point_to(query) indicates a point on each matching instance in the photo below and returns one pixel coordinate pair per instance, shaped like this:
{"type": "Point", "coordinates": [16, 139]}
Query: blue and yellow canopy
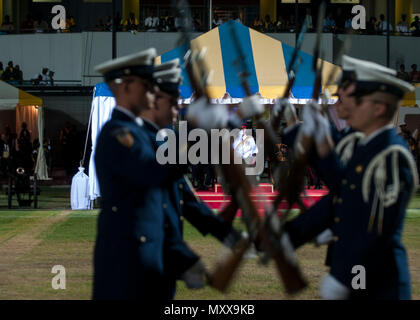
{"type": "Point", "coordinates": [266, 59]}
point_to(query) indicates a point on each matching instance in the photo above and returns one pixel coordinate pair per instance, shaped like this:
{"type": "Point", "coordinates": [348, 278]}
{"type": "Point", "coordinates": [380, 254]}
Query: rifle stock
{"type": "Point", "coordinates": [288, 272]}
{"type": "Point", "coordinates": [229, 212]}
{"type": "Point", "coordinates": [224, 272]}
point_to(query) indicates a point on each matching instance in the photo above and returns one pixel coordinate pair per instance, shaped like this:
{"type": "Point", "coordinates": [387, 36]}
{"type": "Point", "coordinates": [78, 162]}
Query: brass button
{"type": "Point", "coordinates": [181, 186]}
{"type": "Point", "coordinates": [143, 239]}
{"type": "Point", "coordinates": [181, 202]}
{"type": "Point", "coordinates": [359, 169]}
{"type": "Point", "coordinates": [336, 219]}
{"type": "Point", "coordinates": [335, 238]}
{"type": "Point", "coordinates": [339, 201]}
{"type": "Point", "coordinates": [344, 181]}
{"type": "Point", "coordinates": [164, 206]}
{"type": "Point", "coordinates": [114, 209]}
{"type": "Point", "coordinates": [181, 218]}
{"type": "Point", "coordinates": [335, 200]}
{"type": "Point", "coordinates": [352, 187]}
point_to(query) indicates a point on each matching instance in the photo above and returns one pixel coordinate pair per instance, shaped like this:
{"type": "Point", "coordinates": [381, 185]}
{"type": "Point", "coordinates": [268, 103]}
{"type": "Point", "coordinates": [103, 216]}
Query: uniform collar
{"type": "Point", "coordinates": [150, 125]}
{"type": "Point", "coordinates": [374, 134]}
{"type": "Point", "coordinates": [126, 112]}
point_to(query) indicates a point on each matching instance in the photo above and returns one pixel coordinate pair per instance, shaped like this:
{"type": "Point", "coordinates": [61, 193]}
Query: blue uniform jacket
{"type": "Point", "coordinates": [128, 256]}
{"type": "Point", "coordinates": [379, 248]}
{"type": "Point", "coordinates": [183, 203]}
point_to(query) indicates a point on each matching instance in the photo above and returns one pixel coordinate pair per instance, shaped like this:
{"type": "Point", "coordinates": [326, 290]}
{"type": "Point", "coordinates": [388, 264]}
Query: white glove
{"type": "Point", "coordinates": [332, 289]}
{"type": "Point", "coordinates": [232, 239]}
{"type": "Point", "coordinates": [289, 110]}
{"type": "Point", "coordinates": [195, 277]}
{"type": "Point", "coordinates": [324, 237]}
{"type": "Point", "coordinates": [323, 128]}
{"type": "Point", "coordinates": [274, 226]}
{"type": "Point", "coordinates": [207, 116]}
{"type": "Point", "coordinates": [251, 106]}
{"type": "Point", "coordinates": [288, 248]}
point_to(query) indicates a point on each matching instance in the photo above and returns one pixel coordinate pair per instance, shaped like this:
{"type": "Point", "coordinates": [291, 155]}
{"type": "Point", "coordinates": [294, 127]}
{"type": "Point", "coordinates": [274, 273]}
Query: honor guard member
{"type": "Point", "coordinates": [372, 191]}
{"type": "Point", "coordinates": [128, 256]}
{"type": "Point", "coordinates": [180, 262]}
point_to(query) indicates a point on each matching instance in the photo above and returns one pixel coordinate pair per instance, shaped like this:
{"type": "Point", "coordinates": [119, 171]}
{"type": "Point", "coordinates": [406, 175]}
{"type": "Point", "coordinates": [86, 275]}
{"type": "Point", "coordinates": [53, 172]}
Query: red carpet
{"type": "Point", "coordinates": [263, 196]}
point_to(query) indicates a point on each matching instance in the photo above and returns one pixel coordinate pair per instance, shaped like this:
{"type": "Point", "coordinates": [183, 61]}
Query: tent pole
{"type": "Point", "coordinates": [210, 14]}
{"type": "Point", "coordinates": [114, 29]}
{"type": "Point", "coordinates": [296, 21]}
{"type": "Point", "coordinates": [388, 16]}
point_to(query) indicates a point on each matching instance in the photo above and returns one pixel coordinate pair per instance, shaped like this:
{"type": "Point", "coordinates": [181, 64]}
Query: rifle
{"type": "Point", "coordinates": [291, 189]}
{"type": "Point", "coordinates": [291, 72]}
{"type": "Point", "coordinates": [288, 270]}
{"type": "Point", "coordinates": [234, 179]}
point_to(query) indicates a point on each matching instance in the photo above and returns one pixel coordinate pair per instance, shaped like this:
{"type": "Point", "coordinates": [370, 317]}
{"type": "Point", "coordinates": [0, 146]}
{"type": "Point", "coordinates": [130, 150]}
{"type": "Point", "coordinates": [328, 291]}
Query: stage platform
{"type": "Point", "coordinates": [263, 195]}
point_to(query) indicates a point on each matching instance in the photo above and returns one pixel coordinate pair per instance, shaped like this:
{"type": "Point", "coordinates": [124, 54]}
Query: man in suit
{"type": "Point", "coordinates": [128, 255]}
{"type": "Point", "coordinates": [371, 192]}
{"type": "Point", "coordinates": [180, 262]}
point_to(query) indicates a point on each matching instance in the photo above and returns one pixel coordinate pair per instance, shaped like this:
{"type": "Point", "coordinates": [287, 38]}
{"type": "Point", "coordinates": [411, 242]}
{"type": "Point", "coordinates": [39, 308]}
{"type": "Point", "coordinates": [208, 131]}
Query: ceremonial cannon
{"type": "Point", "coordinates": [23, 184]}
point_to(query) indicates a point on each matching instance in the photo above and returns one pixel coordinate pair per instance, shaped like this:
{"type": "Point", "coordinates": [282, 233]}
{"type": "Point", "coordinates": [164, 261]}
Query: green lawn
{"type": "Point", "coordinates": [32, 242]}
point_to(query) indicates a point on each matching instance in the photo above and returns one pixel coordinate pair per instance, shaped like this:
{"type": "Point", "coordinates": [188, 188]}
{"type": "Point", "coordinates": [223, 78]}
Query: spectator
{"type": "Point", "coordinates": [70, 24]}
{"type": "Point", "coordinates": [41, 78]}
{"type": "Point", "coordinates": [25, 147]}
{"type": "Point", "coordinates": [166, 22]}
{"type": "Point", "coordinates": [236, 18]}
{"type": "Point", "coordinates": [257, 24]}
{"type": "Point", "coordinates": [402, 74]}
{"type": "Point", "coordinates": [279, 25]}
{"type": "Point", "coordinates": [371, 26]}
{"type": "Point", "coordinates": [267, 25]}
{"type": "Point", "coordinates": [40, 25]}
{"type": "Point", "coordinates": [405, 132]}
{"type": "Point", "coordinates": [7, 25]}
{"type": "Point", "coordinates": [18, 74]}
{"type": "Point", "coordinates": [99, 26]}
{"type": "Point", "coordinates": [329, 24]}
{"type": "Point", "coordinates": [415, 27]}
{"type": "Point", "coordinates": [291, 24]}
{"type": "Point", "coordinates": [152, 22]}
{"type": "Point", "coordinates": [307, 20]}
{"type": "Point", "coordinates": [108, 23]}
{"type": "Point", "coordinates": [9, 135]}
{"type": "Point", "coordinates": [131, 23]}
{"type": "Point", "coordinates": [4, 155]}
{"type": "Point", "coordinates": [402, 26]}
{"type": "Point", "coordinates": [347, 24]}
{"type": "Point", "coordinates": [28, 24]}
{"type": "Point", "coordinates": [1, 70]}
{"type": "Point", "coordinates": [216, 21]}
{"type": "Point", "coordinates": [9, 72]}
{"type": "Point", "coordinates": [414, 74]}
{"type": "Point", "coordinates": [197, 23]}
{"type": "Point", "coordinates": [51, 77]}
{"type": "Point", "coordinates": [382, 25]}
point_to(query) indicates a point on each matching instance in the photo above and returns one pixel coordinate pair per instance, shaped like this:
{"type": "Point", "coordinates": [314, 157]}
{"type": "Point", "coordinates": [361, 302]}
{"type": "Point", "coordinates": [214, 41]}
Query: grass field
{"type": "Point", "coordinates": [33, 241]}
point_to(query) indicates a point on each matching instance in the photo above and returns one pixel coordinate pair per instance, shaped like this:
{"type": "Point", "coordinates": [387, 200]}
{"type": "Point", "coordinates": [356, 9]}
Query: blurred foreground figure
{"type": "Point", "coordinates": [370, 189]}
{"type": "Point", "coordinates": [128, 257]}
